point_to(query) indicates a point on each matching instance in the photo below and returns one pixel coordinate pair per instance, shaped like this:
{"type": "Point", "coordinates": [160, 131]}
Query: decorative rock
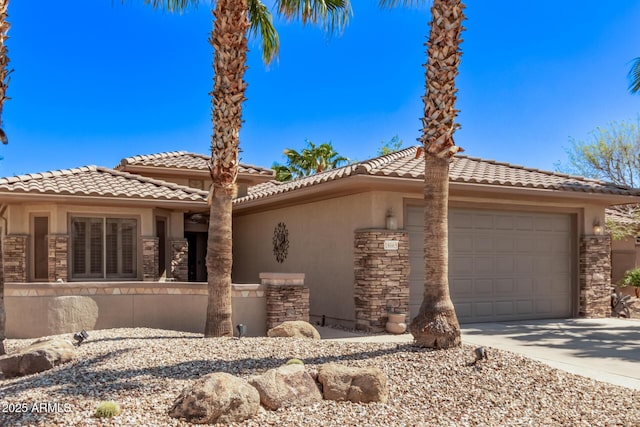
{"type": "Point", "coordinates": [295, 329]}
{"type": "Point", "coordinates": [357, 385]}
{"type": "Point", "coordinates": [286, 386]}
{"type": "Point", "coordinates": [37, 357]}
{"type": "Point", "coordinates": [217, 398]}
{"type": "Point", "coordinates": [71, 314]}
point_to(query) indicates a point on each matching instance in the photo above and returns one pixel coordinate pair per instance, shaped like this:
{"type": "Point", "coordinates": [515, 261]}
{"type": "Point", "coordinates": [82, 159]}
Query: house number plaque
{"type": "Point", "coordinates": [390, 245]}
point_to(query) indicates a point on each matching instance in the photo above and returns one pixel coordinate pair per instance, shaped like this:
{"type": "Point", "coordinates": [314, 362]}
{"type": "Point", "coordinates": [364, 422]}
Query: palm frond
{"type": "Point", "coordinates": [171, 5]}
{"type": "Point", "coordinates": [261, 22]}
{"type": "Point", "coordinates": [332, 14]}
{"type": "Point", "coordinates": [634, 76]}
{"type": "Point", "coordinates": [406, 3]}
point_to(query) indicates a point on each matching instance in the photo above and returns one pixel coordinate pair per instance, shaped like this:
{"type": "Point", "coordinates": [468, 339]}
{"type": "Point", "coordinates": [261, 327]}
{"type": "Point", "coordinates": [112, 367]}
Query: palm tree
{"type": "Point", "coordinates": [634, 76]}
{"type": "Point", "coordinates": [234, 21]}
{"type": "Point", "coordinates": [312, 159]}
{"type": "Point", "coordinates": [4, 82]}
{"type": "Point", "coordinates": [436, 325]}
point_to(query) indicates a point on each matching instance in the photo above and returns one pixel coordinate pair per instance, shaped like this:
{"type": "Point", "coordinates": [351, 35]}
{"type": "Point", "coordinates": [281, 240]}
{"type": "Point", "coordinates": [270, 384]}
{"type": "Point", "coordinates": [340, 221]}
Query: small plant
{"type": "Point", "coordinates": [294, 362]}
{"type": "Point", "coordinates": [631, 278]}
{"type": "Point", "coordinates": [107, 409]}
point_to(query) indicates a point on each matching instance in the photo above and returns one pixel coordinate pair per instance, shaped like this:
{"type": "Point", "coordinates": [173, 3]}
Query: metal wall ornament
{"type": "Point", "coordinates": [280, 242]}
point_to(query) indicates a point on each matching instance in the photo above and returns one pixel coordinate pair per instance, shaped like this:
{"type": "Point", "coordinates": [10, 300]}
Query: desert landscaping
{"type": "Point", "coordinates": [145, 370]}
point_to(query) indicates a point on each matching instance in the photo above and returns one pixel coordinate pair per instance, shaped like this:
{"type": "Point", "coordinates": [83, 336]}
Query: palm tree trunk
{"type": "Point", "coordinates": [229, 41]}
{"type": "Point", "coordinates": [4, 82]}
{"type": "Point", "coordinates": [436, 325]}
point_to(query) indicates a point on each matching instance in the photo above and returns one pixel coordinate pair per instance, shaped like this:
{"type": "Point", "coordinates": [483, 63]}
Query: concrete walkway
{"type": "Point", "coordinates": [603, 349]}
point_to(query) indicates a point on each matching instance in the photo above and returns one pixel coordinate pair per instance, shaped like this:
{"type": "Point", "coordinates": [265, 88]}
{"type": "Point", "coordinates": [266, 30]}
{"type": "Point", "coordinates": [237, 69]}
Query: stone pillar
{"type": "Point", "coordinates": [287, 297]}
{"type": "Point", "coordinates": [150, 255]}
{"type": "Point", "coordinates": [595, 276]}
{"type": "Point", "coordinates": [381, 276]}
{"type": "Point", "coordinates": [14, 248]}
{"type": "Point", "coordinates": [180, 260]}
{"type": "Point", "coordinates": [58, 257]}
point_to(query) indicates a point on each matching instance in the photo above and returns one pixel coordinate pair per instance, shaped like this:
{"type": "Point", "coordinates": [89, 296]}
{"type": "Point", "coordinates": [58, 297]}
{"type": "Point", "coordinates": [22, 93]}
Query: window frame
{"type": "Point", "coordinates": [104, 275]}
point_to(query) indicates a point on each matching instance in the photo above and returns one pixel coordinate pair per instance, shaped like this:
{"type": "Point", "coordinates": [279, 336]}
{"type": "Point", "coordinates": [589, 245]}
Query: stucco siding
{"type": "Point", "coordinates": [320, 245]}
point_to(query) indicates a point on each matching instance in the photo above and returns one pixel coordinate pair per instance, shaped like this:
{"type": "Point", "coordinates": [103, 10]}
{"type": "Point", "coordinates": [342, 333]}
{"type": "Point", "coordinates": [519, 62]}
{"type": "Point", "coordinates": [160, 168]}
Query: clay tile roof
{"type": "Point", "coordinates": [463, 169]}
{"type": "Point", "coordinates": [185, 160]}
{"type": "Point", "coordinates": [99, 181]}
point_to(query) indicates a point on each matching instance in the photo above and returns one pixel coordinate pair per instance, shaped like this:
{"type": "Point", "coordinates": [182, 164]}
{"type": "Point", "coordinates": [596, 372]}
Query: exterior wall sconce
{"type": "Point", "coordinates": [597, 228]}
{"type": "Point", "coordinates": [391, 221]}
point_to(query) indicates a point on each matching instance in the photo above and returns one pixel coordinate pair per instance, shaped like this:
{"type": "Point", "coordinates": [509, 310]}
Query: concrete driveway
{"type": "Point", "coordinates": [603, 349]}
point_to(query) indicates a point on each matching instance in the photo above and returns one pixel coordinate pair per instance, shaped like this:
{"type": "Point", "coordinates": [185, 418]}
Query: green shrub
{"type": "Point", "coordinates": [294, 362]}
{"type": "Point", "coordinates": [631, 278]}
{"type": "Point", "coordinates": [107, 409]}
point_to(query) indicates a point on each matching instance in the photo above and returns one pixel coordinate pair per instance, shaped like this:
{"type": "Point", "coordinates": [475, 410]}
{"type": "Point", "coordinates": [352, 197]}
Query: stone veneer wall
{"type": "Point", "coordinates": [14, 248]}
{"type": "Point", "coordinates": [381, 277]}
{"type": "Point", "coordinates": [180, 260]}
{"type": "Point", "coordinates": [287, 297]}
{"type": "Point", "coordinates": [595, 276]}
{"type": "Point", "coordinates": [57, 257]}
{"type": "Point", "coordinates": [150, 256]}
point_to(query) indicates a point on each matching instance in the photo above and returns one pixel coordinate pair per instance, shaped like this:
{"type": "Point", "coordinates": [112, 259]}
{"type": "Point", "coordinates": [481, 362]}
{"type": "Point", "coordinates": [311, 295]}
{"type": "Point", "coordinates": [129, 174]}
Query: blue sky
{"type": "Point", "coordinates": [96, 81]}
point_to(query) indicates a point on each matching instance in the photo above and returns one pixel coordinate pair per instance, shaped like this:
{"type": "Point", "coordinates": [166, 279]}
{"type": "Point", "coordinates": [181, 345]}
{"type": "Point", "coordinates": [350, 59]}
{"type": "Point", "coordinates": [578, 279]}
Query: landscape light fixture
{"type": "Point", "coordinates": [242, 330]}
{"type": "Point", "coordinates": [80, 337]}
{"type": "Point", "coordinates": [597, 228]}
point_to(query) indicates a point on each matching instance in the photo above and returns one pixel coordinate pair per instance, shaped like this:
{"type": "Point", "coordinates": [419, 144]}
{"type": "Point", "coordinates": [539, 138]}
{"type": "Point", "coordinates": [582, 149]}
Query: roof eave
{"type": "Point", "coordinates": [117, 201]}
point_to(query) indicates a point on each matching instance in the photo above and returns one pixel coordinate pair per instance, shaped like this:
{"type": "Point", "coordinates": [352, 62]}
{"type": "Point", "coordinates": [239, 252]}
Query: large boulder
{"type": "Point", "coordinates": [354, 384]}
{"type": "Point", "coordinates": [288, 385]}
{"type": "Point", "coordinates": [295, 329]}
{"type": "Point", "coordinates": [37, 357]}
{"type": "Point", "coordinates": [71, 314]}
{"type": "Point", "coordinates": [217, 398]}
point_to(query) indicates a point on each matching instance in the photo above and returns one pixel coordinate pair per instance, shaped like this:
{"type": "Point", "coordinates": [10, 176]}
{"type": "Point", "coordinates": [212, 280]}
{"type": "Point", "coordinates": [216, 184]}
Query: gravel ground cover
{"type": "Point", "coordinates": [145, 369]}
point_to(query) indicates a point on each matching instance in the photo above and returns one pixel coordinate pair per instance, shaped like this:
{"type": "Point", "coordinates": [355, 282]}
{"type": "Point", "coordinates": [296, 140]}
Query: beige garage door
{"type": "Point", "coordinates": [502, 265]}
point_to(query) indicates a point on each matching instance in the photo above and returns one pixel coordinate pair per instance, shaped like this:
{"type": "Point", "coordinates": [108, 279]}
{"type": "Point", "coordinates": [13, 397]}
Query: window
{"type": "Point", "coordinates": [103, 248]}
{"type": "Point", "coordinates": [40, 248]}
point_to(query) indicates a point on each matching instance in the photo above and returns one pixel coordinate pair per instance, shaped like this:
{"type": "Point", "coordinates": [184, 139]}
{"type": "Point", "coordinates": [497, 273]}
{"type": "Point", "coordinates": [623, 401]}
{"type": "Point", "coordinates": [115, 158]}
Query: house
{"type": "Point", "coordinates": [524, 243]}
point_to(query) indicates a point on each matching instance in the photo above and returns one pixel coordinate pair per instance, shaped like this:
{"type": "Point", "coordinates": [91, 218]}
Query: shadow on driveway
{"type": "Point", "coordinates": [598, 348]}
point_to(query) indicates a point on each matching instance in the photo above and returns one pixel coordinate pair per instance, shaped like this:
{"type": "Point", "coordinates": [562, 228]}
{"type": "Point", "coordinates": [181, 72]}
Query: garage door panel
{"type": "Point", "coordinates": [483, 309]}
{"type": "Point", "coordinates": [461, 243]}
{"type": "Point", "coordinates": [483, 243]}
{"type": "Point", "coordinates": [524, 307]}
{"type": "Point", "coordinates": [504, 244]}
{"type": "Point", "coordinates": [524, 285]}
{"type": "Point", "coordinates": [462, 220]}
{"type": "Point", "coordinates": [482, 265]}
{"type": "Point", "coordinates": [524, 223]}
{"type": "Point", "coordinates": [504, 308]}
{"type": "Point", "coordinates": [461, 287]}
{"type": "Point", "coordinates": [483, 222]}
{"type": "Point", "coordinates": [504, 286]}
{"type": "Point", "coordinates": [459, 266]}
{"type": "Point", "coordinates": [483, 286]}
{"type": "Point", "coordinates": [504, 222]}
{"type": "Point", "coordinates": [502, 265]}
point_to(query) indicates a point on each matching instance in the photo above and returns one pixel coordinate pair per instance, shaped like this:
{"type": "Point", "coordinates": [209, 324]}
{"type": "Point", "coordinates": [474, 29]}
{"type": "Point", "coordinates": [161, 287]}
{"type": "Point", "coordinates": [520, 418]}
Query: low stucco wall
{"type": "Point", "coordinates": [32, 307]}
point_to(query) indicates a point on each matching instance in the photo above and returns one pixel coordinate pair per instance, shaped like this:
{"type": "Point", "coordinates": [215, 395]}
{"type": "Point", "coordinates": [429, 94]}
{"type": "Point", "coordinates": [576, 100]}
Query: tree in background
{"type": "Point", "coordinates": [612, 153]}
{"type": "Point", "coordinates": [634, 76]}
{"type": "Point", "coordinates": [311, 159]}
{"type": "Point", "coordinates": [391, 146]}
{"type": "Point", "coordinates": [4, 83]}
{"type": "Point", "coordinates": [234, 21]}
{"type": "Point", "coordinates": [436, 325]}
